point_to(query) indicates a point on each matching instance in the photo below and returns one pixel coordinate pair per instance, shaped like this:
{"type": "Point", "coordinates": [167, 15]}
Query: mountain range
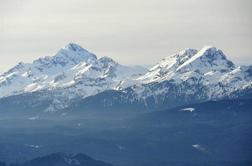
{"type": "Point", "coordinates": [74, 79]}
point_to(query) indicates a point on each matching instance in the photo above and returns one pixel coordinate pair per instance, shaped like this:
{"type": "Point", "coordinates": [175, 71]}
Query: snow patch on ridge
{"type": "Point", "coordinates": [188, 109]}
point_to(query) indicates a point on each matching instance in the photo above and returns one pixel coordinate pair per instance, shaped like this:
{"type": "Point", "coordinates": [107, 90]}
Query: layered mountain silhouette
{"type": "Point", "coordinates": [214, 133]}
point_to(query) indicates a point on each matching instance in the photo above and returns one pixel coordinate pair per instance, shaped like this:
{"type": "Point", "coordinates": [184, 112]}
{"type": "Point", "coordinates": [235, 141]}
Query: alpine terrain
{"type": "Point", "coordinates": [76, 79]}
{"type": "Point", "coordinates": [193, 108]}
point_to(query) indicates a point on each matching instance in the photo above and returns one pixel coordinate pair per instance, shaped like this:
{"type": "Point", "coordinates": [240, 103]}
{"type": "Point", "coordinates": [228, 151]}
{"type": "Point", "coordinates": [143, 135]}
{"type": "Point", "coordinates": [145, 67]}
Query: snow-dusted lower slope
{"type": "Point", "coordinates": [72, 68]}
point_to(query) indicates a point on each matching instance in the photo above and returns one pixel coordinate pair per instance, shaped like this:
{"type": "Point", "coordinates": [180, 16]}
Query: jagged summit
{"type": "Point", "coordinates": [75, 53]}
{"type": "Point", "coordinates": [74, 47]}
{"type": "Point", "coordinates": [68, 56]}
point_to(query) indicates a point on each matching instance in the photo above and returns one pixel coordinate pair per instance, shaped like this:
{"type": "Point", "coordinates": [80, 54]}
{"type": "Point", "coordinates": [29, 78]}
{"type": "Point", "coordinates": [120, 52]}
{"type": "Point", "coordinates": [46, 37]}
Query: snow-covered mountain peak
{"type": "Point", "coordinates": [189, 63]}
{"type": "Point", "coordinates": [66, 58]}
{"type": "Point", "coordinates": [74, 47]}
{"type": "Point", "coordinates": [75, 53]}
{"type": "Point", "coordinates": [207, 59]}
{"type": "Point", "coordinates": [190, 76]}
{"type": "Point", "coordinates": [212, 54]}
{"type": "Point", "coordinates": [167, 66]}
{"type": "Point", "coordinates": [71, 67]}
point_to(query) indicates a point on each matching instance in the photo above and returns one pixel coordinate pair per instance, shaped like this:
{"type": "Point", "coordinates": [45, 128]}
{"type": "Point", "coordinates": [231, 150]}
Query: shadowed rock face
{"type": "Point", "coordinates": [63, 159]}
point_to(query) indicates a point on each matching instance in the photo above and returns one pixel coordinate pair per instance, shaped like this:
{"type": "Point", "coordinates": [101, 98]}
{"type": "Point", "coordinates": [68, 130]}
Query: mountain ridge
{"type": "Point", "coordinates": [182, 78]}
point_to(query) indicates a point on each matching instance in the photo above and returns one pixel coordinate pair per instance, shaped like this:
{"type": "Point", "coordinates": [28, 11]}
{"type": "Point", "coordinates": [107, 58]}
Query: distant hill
{"type": "Point", "coordinates": [62, 159]}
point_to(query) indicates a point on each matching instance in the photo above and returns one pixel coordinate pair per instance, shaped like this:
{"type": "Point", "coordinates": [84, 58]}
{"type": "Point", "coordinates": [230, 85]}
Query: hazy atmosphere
{"type": "Point", "coordinates": [163, 83]}
{"type": "Point", "coordinates": [128, 31]}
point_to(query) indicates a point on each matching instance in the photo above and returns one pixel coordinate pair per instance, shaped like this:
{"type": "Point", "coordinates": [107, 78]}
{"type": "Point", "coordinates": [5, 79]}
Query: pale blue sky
{"type": "Point", "coordinates": [131, 31]}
